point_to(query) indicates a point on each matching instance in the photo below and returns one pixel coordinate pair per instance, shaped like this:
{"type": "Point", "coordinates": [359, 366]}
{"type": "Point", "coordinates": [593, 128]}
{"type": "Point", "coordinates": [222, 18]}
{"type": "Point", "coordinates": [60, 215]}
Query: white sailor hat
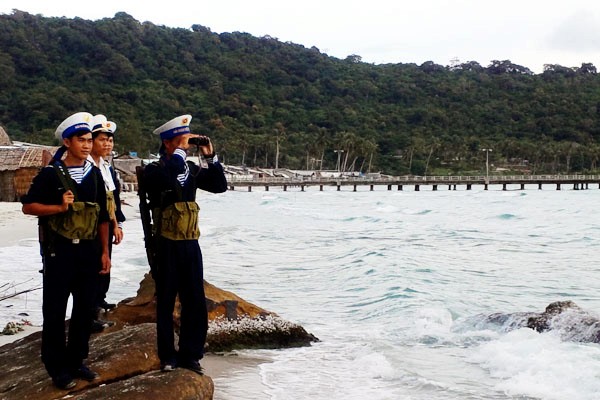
{"type": "Point", "coordinates": [78, 122]}
{"type": "Point", "coordinates": [175, 127]}
{"type": "Point", "coordinates": [100, 124]}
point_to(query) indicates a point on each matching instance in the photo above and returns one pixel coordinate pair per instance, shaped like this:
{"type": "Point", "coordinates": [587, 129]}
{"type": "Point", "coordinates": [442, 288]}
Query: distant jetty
{"type": "Point", "coordinates": [286, 179]}
{"type": "Point", "coordinates": [557, 182]}
{"type": "Point", "coordinates": [243, 177]}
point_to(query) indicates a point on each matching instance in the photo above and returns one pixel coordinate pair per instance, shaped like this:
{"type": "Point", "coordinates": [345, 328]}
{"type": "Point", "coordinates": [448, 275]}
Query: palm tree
{"type": "Point", "coordinates": [434, 144]}
{"type": "Point", "coordinates": [279, 131]}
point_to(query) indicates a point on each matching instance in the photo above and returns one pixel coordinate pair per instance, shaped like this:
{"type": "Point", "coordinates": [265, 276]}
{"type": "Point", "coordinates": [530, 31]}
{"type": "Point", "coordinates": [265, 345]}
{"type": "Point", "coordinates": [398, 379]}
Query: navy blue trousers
{"type": "Point", "coordinates": [180, 272]}
{"type": "Point", "coordinates": [73, 270]}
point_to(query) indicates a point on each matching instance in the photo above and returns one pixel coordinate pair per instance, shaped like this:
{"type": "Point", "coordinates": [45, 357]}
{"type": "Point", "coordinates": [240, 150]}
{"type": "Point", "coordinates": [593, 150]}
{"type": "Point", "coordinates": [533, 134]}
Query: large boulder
{"type": "Point", "coordinates": [233, 322]}
{"type": "Point", "coordinates": [126, 361]}
{"type": "Point", "coordinates": [180, 384]}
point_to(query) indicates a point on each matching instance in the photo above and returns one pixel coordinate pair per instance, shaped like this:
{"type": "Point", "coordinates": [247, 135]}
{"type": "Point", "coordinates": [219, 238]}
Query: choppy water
{"type": "Point", "coordinates": [396, 286]}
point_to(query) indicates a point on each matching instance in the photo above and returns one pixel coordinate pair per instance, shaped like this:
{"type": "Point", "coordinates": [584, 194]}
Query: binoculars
{"type": "Point", "coordinates": [199, 141]}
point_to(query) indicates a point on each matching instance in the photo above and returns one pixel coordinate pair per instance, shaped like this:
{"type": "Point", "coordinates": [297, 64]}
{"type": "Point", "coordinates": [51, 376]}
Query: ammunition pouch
{"type": "Point", "coordinates": [79, 222]}
{"type": "Point", "coordinates": [111, 205]}
{"type": "Point", "coordinates": [179, 221]}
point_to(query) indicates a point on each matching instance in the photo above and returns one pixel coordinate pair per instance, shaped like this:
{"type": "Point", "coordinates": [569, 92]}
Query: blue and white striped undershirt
{"type": "Point", "coordinates": [78, 173]}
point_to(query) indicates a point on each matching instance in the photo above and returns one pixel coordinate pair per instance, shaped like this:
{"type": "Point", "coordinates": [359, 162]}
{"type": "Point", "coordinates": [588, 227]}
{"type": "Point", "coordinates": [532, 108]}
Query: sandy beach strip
{"type": "Point", "coordinates": [14, 225]}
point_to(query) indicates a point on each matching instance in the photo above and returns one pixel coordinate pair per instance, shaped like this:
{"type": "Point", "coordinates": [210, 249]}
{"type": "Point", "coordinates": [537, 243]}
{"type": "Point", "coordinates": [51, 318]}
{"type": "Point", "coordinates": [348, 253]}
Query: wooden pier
{"type": "Point", "coordinates": [558, 182]}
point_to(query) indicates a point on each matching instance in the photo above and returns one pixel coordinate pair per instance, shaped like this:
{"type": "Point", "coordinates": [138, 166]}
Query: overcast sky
{"type": "Point", "coordinates": [530, 33]}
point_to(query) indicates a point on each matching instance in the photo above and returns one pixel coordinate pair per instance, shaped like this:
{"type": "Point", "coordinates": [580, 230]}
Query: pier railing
{"type": "Point", "coordinates": [579, 181]}
{"type": "Point", "coordinates": [241, 179]}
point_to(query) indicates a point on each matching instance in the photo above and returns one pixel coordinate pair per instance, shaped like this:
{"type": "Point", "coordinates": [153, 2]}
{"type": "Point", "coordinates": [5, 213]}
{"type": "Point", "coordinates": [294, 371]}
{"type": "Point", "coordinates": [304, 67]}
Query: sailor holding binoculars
{"type": "Point", "coordinates": [171, 185]}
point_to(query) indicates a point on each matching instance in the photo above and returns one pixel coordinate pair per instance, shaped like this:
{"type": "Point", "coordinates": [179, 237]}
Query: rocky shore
{"type": "Point", "coordinates": [570, 321]}
{"type": "Point", "coordinates": [125, 355]}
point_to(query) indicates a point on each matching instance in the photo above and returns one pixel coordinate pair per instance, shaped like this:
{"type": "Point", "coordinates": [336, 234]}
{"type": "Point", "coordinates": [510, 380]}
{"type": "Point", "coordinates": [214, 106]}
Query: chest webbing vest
{"type": "Point", "coordinates": [178, 221]}
{"type": "Point", "coordinates": [80, 221]}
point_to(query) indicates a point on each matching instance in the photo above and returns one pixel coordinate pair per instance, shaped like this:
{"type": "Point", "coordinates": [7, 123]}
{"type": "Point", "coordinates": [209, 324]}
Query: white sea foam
{"type": "Point", "coordinates": [542, 366]}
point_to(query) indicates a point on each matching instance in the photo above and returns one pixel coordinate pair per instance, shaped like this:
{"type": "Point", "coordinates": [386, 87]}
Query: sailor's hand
{"type": "Point", "coordinates": [118, 235]}
{"type": "Point", "coordinates": [67, 198]}
{"type": "Point", "coordinates": [208, 149]}
{"type": "Point", "coordinates": [105, 264]}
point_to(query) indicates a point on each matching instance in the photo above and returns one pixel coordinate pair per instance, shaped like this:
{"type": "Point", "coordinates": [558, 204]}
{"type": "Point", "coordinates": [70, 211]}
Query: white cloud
{"type": "Point", "coordinates": [579, 32]}
{"type": "Point", "coordinates": [527, 32]}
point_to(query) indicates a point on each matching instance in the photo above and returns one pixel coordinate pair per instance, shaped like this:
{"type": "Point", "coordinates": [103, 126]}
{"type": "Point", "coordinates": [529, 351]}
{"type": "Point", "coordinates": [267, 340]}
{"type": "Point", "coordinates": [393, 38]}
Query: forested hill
{"type": "Point", "coordinates": [255, 96]}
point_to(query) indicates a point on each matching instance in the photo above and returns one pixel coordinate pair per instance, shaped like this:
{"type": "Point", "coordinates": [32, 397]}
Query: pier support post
{"type": "Point", "coordinates": [372, 186]}
{"type": "Point", "coordinates": [266, 188]}
{"type": "Point", "coordinates": [249, 188]}
{"type": "Point", "coordinates": [522, 186]}
{"type": "Point", "coordinates": [231, 187]}
{"type": "Point", "coordinates": [302, 188]}
{"type": "Point", "coordinates": [417, 188]}
{"type": "Point", "coordinates": [389, 187]}
{"type": "Point", "coordinates": [285, 188]}
{"type": "Point", "coordinates": [454, 187]}
{"type": "Point", "coordinates": [575, 186]}
{"type": "Point", "coordinates": [469, 186]}
{"type": "Point", "coordinates": [558, 186]}
{"type": "Point", "coordinates": [339, 187]}
{"type": "Point", "coordinates": [321, 188]}
{"type": "Point", "coordinates": [434, 188]}
{"type": "Point", "coordinates": [354, 188]}
{"type": "Point", "coordinates": [504, 186]}
{"type": "Point", "coordinates": [540, 186]}
{"type": "Point", "coordinates": [485, 186]}
{"type": "Point", "coordinates": [400, 187]}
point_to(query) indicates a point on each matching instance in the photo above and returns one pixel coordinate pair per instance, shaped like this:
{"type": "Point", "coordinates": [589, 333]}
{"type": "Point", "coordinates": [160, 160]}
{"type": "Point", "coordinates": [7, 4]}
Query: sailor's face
{"type": "Point", "coordinates": [103, 145]}
{"type": "Point", "coordinates": [178, 142]}
{"type": "Point", "coordinates": [80, 146]}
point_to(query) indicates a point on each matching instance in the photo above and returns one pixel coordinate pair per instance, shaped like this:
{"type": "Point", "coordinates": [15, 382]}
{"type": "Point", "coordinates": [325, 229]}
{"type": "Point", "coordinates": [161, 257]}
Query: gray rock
{"type": "Point", "coordinates": [126, 361]}
{"type": "Point", "coordinates": [565, 317]}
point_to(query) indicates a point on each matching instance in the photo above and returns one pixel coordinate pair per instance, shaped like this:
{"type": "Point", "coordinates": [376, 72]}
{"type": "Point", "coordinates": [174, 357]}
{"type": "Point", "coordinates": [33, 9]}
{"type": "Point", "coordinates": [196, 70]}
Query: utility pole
{"type": "Point", "coordinates": [276, 149]}
{"type": "Point", "coordinates": [487, 167]}
{"type": "Point", "coordinates": [339, 153]}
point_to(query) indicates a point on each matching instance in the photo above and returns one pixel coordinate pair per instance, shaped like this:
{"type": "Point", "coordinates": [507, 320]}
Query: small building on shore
{"type": "Point", "coordinates": [19, 164]}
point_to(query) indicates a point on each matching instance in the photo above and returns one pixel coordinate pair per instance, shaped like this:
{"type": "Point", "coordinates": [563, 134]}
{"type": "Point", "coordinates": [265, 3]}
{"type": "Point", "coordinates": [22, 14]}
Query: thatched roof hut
{"type": "Point", "coordinates": [19, 163]}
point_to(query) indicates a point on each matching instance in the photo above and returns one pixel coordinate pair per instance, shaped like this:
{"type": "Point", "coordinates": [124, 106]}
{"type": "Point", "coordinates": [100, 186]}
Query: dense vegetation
{"type": "Point", "coordinates": [272, 104]}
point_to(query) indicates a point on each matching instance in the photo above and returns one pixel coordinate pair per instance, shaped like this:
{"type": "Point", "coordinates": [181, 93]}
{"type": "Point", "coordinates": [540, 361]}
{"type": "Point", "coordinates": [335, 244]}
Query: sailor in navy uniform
{"type": "Point", "coordinates": [73, 254]}
{"type": "Point", "coordinates": [103, 132]}
{"type": "Point", "coordinates": [171, 186]}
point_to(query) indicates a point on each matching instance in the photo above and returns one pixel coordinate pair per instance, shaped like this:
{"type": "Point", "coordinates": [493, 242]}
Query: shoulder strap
{"type": "Point", "coordinates": [64, 177]}
{"type": "Point", "coordinates": [67, 181]}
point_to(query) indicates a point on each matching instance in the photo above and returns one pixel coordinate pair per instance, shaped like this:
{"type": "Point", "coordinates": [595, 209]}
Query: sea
{"type": "Point", "coordinates": [397, 286]}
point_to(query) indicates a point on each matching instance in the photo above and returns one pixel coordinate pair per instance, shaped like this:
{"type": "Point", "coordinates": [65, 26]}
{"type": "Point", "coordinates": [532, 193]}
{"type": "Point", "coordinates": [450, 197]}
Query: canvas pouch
{"type": "Point", "coordinates": [79, 222]}
{"type": "Point", "coordinates": [179, 221]}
